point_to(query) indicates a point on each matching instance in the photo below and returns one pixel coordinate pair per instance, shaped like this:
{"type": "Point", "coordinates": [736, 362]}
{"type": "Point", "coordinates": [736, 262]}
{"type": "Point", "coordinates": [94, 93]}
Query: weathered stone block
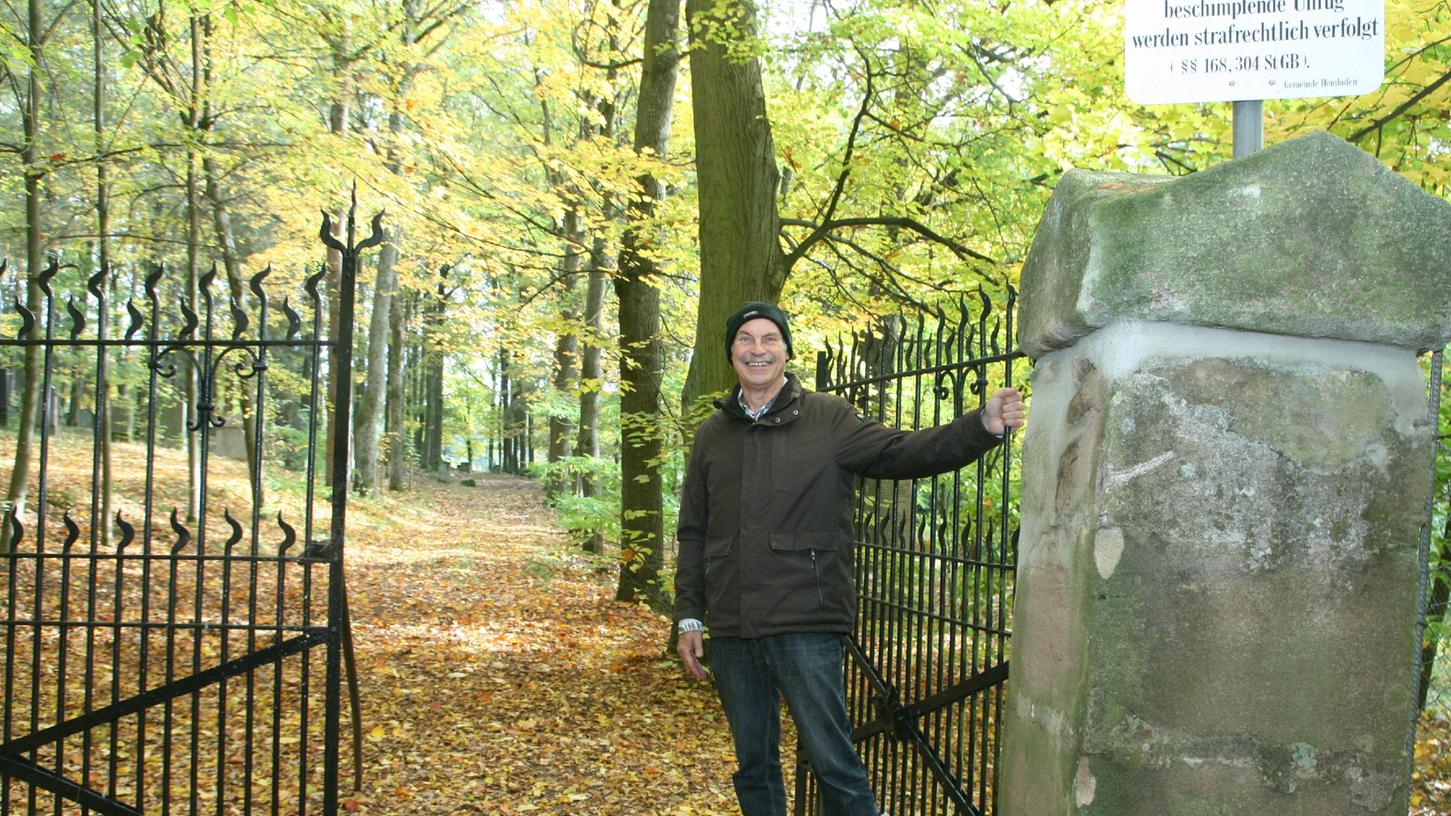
{"type": "Point", "coordinates": [1216, 577]}
{"type": "Point", "coordinates": [1312, 237]}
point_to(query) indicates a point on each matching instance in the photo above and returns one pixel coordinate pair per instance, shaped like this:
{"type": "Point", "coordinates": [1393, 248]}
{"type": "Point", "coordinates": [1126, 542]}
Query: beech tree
{"type": "Point", "coordinates": [736, 172]}
{"type": "Point", "coordinates": [33, 173]}
{"type": "Point", "coordinates": [641, 359]}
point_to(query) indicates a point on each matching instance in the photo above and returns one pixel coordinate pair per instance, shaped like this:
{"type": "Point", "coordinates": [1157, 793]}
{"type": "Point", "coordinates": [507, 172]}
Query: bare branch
{"type": "Point", "coordinates": [890, 272]}
{"type": "Point", "coordinates": [821, 230]}
{"type": "Point", "coordinates": [831, 204]}
{"type": "Point", "coordinates": [1381, 122]}
{"type": "Point", "coordinates": [59, 15]}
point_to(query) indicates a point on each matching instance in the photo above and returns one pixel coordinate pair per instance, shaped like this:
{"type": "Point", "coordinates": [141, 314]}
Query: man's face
{"type": "Point", "coordinates": [758, 354]}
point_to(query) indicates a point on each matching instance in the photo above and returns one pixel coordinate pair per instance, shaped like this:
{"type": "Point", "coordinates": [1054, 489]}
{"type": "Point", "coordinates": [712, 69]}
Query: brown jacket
{"type": "Point", "coordinates": [766, 513]}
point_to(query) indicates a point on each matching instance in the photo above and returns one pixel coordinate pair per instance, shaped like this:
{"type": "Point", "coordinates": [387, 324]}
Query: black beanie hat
{"type": "Point", "coordinates": [750, 311]}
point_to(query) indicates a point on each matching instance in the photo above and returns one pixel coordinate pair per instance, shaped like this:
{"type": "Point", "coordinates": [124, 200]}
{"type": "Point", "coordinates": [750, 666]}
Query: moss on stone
{"type": "Point", "coordinates": [1311, 237]}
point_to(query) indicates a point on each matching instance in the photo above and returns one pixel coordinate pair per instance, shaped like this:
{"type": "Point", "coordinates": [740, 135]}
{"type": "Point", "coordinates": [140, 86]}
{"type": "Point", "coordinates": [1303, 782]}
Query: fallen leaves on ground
{"type": "Point", "coordinates": [500, 676]}
{"type": "Point", "coordinates": [1431, 783]}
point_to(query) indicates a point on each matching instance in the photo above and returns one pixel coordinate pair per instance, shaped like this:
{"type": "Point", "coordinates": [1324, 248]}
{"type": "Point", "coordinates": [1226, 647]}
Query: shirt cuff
{"type": "Point", "coordinates": [690, 625]}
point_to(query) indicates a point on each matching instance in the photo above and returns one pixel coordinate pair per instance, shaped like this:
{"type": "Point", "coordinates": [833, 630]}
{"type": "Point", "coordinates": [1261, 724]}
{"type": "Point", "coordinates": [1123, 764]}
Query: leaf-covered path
{"type": "Point", "coordinates": [499, 676]}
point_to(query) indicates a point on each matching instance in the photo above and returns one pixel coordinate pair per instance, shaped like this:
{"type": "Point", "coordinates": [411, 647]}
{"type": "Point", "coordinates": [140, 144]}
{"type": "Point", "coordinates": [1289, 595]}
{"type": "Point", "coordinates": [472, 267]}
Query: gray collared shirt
{"type": "Point", "coordinates": [757, 414]}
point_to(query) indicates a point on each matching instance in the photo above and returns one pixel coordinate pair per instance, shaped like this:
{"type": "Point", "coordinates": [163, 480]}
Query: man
{"type": "Point", "coordinates": [766, 550]}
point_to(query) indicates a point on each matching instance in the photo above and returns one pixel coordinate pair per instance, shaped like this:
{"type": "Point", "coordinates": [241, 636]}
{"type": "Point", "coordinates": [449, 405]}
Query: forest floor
{"type": "Point", "coordinates": [1431, 790]}
{"type": "Point", "coordinates": [500, 676]}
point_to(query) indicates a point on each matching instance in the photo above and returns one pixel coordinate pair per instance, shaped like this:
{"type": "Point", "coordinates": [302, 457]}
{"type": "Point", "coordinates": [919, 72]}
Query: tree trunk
{"type": "Point", "coordinates": [193, 262]}
{"type": "Point", "coordinates": [521, 417]}
{"type": "Point", "coordinates": [591, 366]}
{"type": "Point", "coordinates": [433, 385]}
{"type": "Point", "coordinates": [740, 251]}
{"type": "Point", "coordinates": [505, 397]}
{"type": "Point", "coordinates": [232, 263]}
{"type": "Point", "coordinates": [566, 379]}
{"type": "Point", "coordinates": [30, 398]}
{"type": "Point", "coordinates": [103, 260]}
{"type": "Point", "coordinates": [52, 415]}
{"type": "Point", "coordinates": [566, 352]}
{"type": "Point", "coordinates": [397, 399]}
{"type": "Point", "coordinates": [370, 405]}
{"type": "Point", "coordinates": [643, 541]}
{"type": "Point", "coordinates": [378, 385]}
{"type": "Point", "coordinates": [418, 396]}
{"type": "Point", "coordinates": [591, 377]}
{"type": "Point", "coordinates": [78, 395]}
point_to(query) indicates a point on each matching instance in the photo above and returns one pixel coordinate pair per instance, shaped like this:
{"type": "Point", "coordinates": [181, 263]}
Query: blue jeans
{"type": "Point", "coordinates": [751, 676]}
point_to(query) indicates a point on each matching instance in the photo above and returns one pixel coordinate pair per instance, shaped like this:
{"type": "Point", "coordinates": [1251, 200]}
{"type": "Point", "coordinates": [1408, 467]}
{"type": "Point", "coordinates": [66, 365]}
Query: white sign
{"type": "Point", "coordinates": [1230, 50]}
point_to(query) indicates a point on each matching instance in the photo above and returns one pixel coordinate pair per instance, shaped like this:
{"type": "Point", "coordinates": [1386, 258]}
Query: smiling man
{"type": "Point", "coordinates": [766, 553]}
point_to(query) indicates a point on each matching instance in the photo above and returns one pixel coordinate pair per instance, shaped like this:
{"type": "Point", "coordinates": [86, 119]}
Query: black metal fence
{"type": "Point", "coordinates": [169, 663]}
{"type": "Point", "coordinates": [1434, 663]}
{"type": "Point", "coordinates": [928, 661]}
{"type": "Point", "coordinates": [935, 562]}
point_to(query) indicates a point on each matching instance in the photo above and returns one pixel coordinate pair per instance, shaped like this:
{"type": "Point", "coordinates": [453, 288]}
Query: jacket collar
{"type": "Point", "coordinates": [781, 408]}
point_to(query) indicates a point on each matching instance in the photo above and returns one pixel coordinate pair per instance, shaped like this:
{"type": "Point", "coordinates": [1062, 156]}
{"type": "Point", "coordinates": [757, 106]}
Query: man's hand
{"type": "Point", "coordinates": [1004, 409]}
{"type": "Point", "coordinates": [692, 648]}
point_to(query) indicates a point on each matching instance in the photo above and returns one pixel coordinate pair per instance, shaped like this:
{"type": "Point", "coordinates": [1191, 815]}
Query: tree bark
{"type": "Point", "coordinates": [377, 385]}
{"type": "Point", "coordinates": [193, 262]}
{"type": "Point", "coordinates": [232, 263]}
{"type": "Point", "coordinates": [417, 396]}
{"type": "Point", "coordinates": [591, 377]}
{"type": "Point", "coordinates": [503, 395]}
{"type": "Point", "coordinates": [516, 415]}
{"type": "Point", "coordinates": [643, 542]}
{"type": "Point", "coordinates": [103, 260]}
{"type": "Point", "coordinates": [737, 177]}
{"type": "Point", "coordinates": [394, 426]}
{"type": "Point", "coordinates": [566, 352]}
{"type": "Point", "coordinates": [30, 399]}
{"type": "Point", "coordinates": [370, 404]}
{"type": "Point", "coordinates": [591, 366]}
{"type": "Point", "coordinates": [432, 449]}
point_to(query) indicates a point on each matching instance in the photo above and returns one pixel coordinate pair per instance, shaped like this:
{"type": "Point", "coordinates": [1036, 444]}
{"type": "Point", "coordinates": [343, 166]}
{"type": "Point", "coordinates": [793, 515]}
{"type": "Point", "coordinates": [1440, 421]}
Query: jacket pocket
{"type": "Point", "coordinates": [715, 550]}
{"type": "Point", "coordinates": [722, 580]}
{"type": "Point", "coordinates": [816, 551]}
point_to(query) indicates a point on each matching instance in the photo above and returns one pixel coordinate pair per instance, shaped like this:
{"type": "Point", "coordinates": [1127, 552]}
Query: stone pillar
{"type": "Point", "coordinates": [1224, 484]}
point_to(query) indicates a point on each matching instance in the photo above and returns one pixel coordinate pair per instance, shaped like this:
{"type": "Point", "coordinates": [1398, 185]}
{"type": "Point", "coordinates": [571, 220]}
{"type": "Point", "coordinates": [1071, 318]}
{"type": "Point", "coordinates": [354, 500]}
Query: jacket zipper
{"type": "Point", "coordinates": [820, 598]}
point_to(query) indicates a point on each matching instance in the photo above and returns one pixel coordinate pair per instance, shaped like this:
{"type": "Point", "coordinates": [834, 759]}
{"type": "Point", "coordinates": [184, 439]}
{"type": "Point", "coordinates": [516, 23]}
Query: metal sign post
{"type": "Point", "coordinates": [1249, 127]}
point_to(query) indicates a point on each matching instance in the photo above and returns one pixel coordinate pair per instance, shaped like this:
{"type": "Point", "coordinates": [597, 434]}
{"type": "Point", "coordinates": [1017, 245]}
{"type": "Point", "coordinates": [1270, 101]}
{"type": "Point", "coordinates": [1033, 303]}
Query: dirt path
{"type": "Point", "coordinates": [499, 676]}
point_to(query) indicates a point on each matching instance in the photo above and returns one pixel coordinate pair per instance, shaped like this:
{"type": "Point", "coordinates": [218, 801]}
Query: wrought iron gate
{"type": "Point", "coordinates": [934, 568]}
{"type": "Point", "coordinates": [174, 668]}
